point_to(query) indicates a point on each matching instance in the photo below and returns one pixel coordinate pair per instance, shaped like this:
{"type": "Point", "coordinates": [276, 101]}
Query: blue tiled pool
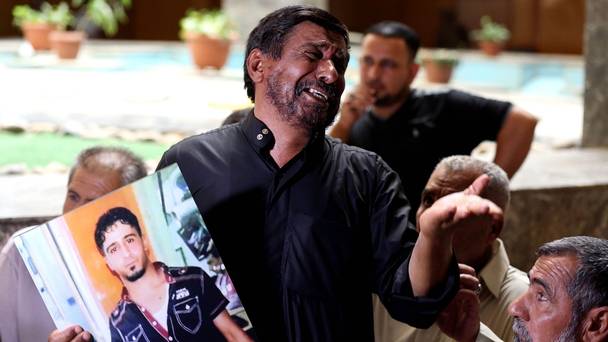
{"type": "Point", "coordinates": [547, 77]}
{"type": "Point", "coordinates": [542, 77]}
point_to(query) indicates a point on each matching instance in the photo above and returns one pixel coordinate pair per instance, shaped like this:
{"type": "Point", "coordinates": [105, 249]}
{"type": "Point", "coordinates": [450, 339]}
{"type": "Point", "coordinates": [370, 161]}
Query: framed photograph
{"type": "Point", "coordinates": [136, 265]}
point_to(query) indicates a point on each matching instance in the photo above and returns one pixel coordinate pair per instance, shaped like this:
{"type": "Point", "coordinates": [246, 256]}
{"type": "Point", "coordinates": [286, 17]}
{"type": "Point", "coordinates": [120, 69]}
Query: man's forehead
{"type": "Point", "coordinates": [316, 35]}
{"type": "Point", "coordinates": [389, 45]}
{"type": "Point", "coordinates": [441, 178]}
{"type": "Point", "coordinates": [121, 224]}
{"type": "Point", "coordinates": [104, 179]}
{"type": "Point", "coordinates": [556, 269]}
{"type": "Point", "coordinates": [119, 230]}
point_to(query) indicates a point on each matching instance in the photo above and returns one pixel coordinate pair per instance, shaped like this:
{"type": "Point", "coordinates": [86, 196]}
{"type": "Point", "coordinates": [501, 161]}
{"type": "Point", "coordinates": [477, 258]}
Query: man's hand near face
{"type": "Point", "coordinates": [460, 319]}
{"type": "Point", "coordinates": [72, 333]}
{"type": "Point", "coordinates": [433, 250]}
{"type": "Point", "coordinates": [351, 111]}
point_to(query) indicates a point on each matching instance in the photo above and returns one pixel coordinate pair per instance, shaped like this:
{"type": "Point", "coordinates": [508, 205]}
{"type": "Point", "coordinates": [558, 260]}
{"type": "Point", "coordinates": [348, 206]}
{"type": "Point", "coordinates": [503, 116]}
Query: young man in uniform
{"type": "Point", "coordinates": [159, 302]}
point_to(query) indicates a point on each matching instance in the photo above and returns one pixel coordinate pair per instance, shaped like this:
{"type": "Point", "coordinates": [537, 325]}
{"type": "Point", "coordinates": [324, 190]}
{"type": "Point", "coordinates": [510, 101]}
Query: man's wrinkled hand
{"type": "Point", "coordinates": [447, 213]}
{"type": "Point", "coordinates": [460, 319]}
{"type": "Point", "coordinates": [468, 278]}
{"type": "Point", "coordinates": [72, 333]}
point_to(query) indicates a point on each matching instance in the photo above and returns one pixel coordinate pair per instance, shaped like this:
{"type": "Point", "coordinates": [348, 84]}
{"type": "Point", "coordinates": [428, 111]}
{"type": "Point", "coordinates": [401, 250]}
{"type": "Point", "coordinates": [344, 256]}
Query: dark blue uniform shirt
{"type": "Point", "coordinates": [194, 301]}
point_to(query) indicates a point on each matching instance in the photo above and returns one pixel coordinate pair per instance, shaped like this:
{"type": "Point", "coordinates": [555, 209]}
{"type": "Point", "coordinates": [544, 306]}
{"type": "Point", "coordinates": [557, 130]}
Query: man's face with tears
{"type": "Point", "coordinates": [306, 83]}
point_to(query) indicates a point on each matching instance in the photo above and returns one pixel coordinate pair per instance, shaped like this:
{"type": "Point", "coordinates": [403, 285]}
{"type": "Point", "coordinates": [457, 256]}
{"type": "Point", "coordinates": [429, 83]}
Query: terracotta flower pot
{"type": "Point", "coordinates": [437, 72]}
{"type": "Point", "coordinates": [207, 51]}
{"type": "Point", "coordinates": [38, 34]}
{"type": "Point", "coordinates": [490, 48]}
{"type": "Point", "coordinates": [66, 44]}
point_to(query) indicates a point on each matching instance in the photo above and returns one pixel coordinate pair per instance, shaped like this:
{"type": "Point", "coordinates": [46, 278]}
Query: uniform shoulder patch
{"type": "Point", "coordinates": [177, 272]}
{"type": "Point", "coordinates": [118, 312]}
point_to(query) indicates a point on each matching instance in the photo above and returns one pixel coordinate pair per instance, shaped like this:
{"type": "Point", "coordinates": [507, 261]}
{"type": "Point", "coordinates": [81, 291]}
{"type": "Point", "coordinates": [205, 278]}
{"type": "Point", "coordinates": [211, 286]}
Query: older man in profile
{"type": "Point", "coordinates": [23, 315]}
{"type": "Point", "coordinates": [568, 295]}
{"type": "Point", "coordinates": [567, 299]}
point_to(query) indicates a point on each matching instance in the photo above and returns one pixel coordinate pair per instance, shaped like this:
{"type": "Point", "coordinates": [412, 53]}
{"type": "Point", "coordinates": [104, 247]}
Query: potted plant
{"type": "Point", "coordinates": [38, 24]}
{"type": "Point", "coordinates": [208, 34]}
{"type": "Point", "coordinates": [66, 44]}
{"type": "Point", "coordinates": [491, 37]}
{"type": "Point", "coordinates": [439, 64]}
{"type": "Point", "coordinates": [104, 14]}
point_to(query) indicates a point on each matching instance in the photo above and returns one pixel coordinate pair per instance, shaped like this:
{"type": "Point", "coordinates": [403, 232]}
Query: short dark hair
{"type": "Point", "coordinates": [589, 286]}
{"type": "Point", "coordinates": [395, 29]}
{"type": "Point", "coordinates": [102, 158]}
{"type": "Point", "coordinates": [271, 32]}
{"type": "Point", "coordinates": [109, 218]}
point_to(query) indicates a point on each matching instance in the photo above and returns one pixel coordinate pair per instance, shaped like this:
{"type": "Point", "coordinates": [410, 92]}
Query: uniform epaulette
{"type": "Point", "coordinates": [177, 272]}
{"type": "Point", "coordinates": [118, 312]}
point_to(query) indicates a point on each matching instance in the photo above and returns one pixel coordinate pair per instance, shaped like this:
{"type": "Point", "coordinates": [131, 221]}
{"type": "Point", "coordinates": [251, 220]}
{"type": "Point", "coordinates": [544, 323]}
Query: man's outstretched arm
{"type": "Point", "coordinates": [514, 140]}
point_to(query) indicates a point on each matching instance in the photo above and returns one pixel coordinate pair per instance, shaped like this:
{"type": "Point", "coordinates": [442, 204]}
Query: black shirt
{"type": "Point", "coordinates": [306, 244]}
{"type": "Point", "coordinates": [427, 128]}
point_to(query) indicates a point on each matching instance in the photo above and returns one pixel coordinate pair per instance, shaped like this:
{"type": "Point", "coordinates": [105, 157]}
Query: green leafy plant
{"type": "Point", "coordinates": [213, 23]}
{"type": "Point", "coordinates": [490, 31]}
{"type": "Point", "coordinates": [59, 16]}
{"type": "Point", "coordinates": [107, 14]}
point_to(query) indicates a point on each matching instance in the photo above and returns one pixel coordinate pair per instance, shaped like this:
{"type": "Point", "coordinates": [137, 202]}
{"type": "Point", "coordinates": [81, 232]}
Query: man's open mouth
{"type": "Point", "coordinates": [316, 94]}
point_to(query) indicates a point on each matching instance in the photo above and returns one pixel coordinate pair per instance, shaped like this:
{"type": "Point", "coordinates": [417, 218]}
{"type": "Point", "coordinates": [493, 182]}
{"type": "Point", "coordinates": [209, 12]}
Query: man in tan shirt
{"type": "Point", "coordinates": [477, 246]}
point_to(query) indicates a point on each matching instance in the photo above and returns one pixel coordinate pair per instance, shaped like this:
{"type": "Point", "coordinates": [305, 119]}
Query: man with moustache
{"type": "Point", "coordinates": [568, 295]}
{"type": "Point", "coordinates": [97, 171]}
{"type": "Point", "coordinates": [412, 129]}
{"type": "Point", "coordinates": [567, 300]}
{"type": "Point", "coordinates": [159, 302]}
{"type": "Point", "coordinates": [310, 227]}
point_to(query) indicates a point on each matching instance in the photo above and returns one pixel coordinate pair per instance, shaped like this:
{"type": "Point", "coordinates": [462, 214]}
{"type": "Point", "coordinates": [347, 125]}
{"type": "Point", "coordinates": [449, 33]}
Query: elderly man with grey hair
{"type": "Point", "coordinates": [478, 249]}
{"type": "Point", "coordinates": [568, 295]}
{"type": "Point", "coordinates": [567, 300]}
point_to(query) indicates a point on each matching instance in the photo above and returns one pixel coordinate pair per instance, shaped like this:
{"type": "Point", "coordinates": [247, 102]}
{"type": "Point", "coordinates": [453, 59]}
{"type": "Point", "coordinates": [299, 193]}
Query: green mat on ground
{"type": "Point", "coordinates": [36, 150]}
